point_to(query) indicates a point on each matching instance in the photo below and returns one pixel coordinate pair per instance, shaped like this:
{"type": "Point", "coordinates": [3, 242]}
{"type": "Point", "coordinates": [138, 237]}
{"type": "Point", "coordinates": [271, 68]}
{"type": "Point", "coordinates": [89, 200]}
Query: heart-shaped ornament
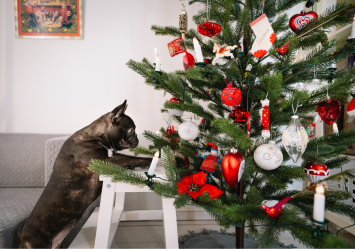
{"type": "Point", "coordinates": [329, 110]}
{"type": "Point", "coordinates": [298, 21]}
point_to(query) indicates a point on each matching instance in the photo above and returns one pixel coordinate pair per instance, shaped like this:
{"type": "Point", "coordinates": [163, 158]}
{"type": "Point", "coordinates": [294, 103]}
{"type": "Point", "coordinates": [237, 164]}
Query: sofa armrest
{"type": "Point", "coordinates": [52, 149]}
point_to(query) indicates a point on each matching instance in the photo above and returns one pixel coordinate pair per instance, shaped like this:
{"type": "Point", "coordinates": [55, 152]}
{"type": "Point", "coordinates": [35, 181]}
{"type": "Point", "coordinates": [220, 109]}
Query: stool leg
{"type": "Point", "coordinates": [105, 215]}
{"type": "Point", "coordinates": [119, 202]}
{"type": "Point", "coordinates": [170, 224]}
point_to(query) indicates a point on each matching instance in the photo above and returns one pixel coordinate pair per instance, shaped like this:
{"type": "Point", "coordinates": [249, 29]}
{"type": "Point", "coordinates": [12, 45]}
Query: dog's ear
{"type": "Point", "coordinates": [119, 111]}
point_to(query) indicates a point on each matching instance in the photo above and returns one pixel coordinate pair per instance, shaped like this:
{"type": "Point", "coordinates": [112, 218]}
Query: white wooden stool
{"type": "Point", "coordinates": [108, 216]}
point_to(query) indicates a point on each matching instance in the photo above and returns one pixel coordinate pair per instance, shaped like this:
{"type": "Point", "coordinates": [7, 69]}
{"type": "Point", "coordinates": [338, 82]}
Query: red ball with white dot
{"type": "Point", "coordinates": [175, 111]}
{"type": "Point", "coordinates": [231, 96]}
{"type": "Point", "coordinates": [316, 172]}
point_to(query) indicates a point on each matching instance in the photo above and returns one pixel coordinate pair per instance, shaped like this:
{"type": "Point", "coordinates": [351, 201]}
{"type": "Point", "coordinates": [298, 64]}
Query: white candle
{"type": "Point", "coordinates": [157, 64]}
{"type": "Point", "coordinates": [155, 53]}
{"type": "Point", "coordinates": [353, 29]}
{"type": "Point", "coordinates": [319, 204]}
{"type": "Point", "coordinates": [198, 50]}
{"type": "Point", "coordinates": [335, 128]}
{"type": "Point", "coordinates": [333, 65]}
{"type": "Point", "coordinates": [154, 163]}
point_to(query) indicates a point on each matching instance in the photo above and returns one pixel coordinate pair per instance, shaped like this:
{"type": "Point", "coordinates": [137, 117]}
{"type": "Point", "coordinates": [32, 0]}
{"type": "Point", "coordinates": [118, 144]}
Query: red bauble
{"type": "Point", "coordinates": [209, 29]}
{"type": "Point", "coordinates": [239, 115]}
{"type": "Point", "coordinates": [231, 96]}
{"type": "Point", "coordinates": [298, 21]}
{"type": "Point", "coordinates": [175, 48]}
{"type": "Point", "coordinates": [208, 61]}
{"type": "Point", "coordinates": [189, 61]}
{"type": "Point", "coordinates": [232, 166]}
{"type": "Point", "coordinates": [316, 171]}
{"type": "Point", "coordinates": [329, 110]}
{"type": "Point", "coordinates": [275, 211]}
{"type": "Point", "coordinates": [174, 99]}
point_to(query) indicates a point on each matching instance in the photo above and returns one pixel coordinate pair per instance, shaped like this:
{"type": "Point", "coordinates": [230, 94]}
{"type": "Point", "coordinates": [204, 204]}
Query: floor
{"type": "Point", "coordinates": [150, 234]}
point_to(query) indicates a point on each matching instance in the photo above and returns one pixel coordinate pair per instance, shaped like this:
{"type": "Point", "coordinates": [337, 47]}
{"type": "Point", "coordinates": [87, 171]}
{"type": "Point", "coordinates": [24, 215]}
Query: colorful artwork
{"type": "Point", "coordinates": [49, 19]}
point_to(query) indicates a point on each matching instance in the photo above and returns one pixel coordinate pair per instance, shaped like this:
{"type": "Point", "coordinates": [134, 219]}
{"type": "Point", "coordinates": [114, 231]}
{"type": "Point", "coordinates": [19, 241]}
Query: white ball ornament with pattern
{"type": "Point", "coordinates": [295, 139]}
{"type": "Point", "coordinates": [268, 156]}
{"type": "Point", "coordinates": [188, 130]}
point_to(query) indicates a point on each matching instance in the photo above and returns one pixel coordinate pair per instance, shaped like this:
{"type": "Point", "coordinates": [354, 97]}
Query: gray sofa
{"type": "Point", "coordinates": [26, 163]}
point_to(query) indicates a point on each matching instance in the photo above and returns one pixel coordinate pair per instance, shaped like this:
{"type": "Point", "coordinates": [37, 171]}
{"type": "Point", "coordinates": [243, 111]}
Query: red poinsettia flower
{"type": "Point", "coordinates": [195, 185]}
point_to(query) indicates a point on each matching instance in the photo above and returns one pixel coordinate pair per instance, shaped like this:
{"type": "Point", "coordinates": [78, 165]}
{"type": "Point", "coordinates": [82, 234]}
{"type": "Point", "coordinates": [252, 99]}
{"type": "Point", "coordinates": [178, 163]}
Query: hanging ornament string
{"type": "Point", "coordinates": [294, 111]}
{"type": "Point", "coordinates": [208, 11]}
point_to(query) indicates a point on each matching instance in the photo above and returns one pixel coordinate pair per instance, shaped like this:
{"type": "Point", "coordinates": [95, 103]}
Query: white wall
{"type": "Point", "coordinates": [60, 86]}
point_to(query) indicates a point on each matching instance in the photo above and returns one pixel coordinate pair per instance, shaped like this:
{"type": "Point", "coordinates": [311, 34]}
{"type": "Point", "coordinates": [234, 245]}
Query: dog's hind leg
{"type": "Point", "coordinates": [58, 239]}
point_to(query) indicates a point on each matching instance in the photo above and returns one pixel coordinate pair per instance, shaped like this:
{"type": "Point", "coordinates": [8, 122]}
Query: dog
{"type": "Point", "coordinates": [72, 187]}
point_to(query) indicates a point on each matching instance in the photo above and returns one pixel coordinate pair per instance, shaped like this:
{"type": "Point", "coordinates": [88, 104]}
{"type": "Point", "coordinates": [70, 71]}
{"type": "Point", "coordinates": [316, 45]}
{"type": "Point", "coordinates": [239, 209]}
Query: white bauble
{"type": "Point", "coordinates": [268, 156]}
{"type": "Point", "coordinates": [295, 139]}
{"type": "Point", "coordinates": [188, 130]}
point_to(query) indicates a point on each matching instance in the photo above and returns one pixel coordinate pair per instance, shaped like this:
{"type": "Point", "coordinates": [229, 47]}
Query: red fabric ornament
{"type": "Point", "coordinates": [329, 110]}
{"type": "Point", "coordinates": [231, 96]}
{"type": "Point", "coordinates": [298, 21]}
{"type": "Point", "coordinates": [239, 115]}
{"type": "Point", "coordinates": [209, 163]}
{"type": "Point", "coordinates": [175, 48]}
{"type": "Point", "coordinates": [316, 172]}
{"type": "Point", "coordinates": [209, 29]}
{"type": "Point", "coordinates": [189, 61]}
{"type": "Point", "coordinates": [275, 211]}
{"type": "Point", "coordinates": [265, 118]}
{"type": "Point", "coordinates": [195, 185]}
{"type": "Point", "coordinates": [232, 167]}
{"type": "Point", "coordinates": [208, 61]}
{"type": "Point", "coordinates": [282, 50]}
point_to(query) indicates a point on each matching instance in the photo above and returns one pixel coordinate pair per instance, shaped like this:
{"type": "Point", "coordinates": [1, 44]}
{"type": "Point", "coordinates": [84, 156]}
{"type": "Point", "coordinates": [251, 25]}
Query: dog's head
{"type": "Point", "coordinates": [121, 133]}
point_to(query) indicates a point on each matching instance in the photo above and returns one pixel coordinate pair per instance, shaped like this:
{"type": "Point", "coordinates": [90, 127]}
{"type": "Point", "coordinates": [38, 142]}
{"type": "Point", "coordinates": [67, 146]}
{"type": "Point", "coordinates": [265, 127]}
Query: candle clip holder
{"type": "Point", "coordinates": [201, 64]}
{"type": "Point", "coordinates": [155, 79]}
{"type": "Point", "coordinates": [351, 44]}
{"type": "Point", "coordinates": [318, 229]}
{"type": "Point", "coordinates": [149, 182]}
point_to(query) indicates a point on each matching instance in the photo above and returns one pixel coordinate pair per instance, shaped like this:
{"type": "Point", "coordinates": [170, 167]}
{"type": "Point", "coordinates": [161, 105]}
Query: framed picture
{"type": "Point", "coordinates": [49, 19]}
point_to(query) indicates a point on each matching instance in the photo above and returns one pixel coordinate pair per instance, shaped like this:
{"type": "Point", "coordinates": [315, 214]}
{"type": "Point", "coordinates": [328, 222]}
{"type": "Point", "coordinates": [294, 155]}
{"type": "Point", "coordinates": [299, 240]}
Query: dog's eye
{"type": "Point", "coordinates": [130, 130]}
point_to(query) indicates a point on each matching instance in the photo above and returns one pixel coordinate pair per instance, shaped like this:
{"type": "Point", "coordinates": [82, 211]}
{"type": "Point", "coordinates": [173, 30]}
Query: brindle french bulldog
{"type": "Point", "coordinates": [72, 186]}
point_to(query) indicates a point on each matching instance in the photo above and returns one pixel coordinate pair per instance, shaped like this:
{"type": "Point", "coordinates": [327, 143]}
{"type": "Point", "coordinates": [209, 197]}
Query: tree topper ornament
{"type": "Point", "coordinates": [265, 118]}
{"type": "Point", "coordinates": [222, 51]}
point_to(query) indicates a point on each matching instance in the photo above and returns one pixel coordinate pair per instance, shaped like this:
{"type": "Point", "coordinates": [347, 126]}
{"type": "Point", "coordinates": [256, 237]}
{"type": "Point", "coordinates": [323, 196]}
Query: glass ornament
{"type": "Point", "coordinates": [183, 23]}
{"type": "Point", "coordinates": [188, 130]}
{"type": "Point", "coordinates": [209, 29]}
{"type": "Point", "coordinates": [295, 139]}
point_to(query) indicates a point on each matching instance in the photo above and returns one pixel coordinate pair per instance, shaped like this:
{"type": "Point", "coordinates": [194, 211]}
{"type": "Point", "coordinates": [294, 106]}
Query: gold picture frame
{"type": "Point", "coordinates": [49, 19]}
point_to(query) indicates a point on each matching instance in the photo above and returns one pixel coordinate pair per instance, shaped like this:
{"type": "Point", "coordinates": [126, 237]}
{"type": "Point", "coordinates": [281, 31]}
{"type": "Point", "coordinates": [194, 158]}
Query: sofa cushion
{"type": "Point", "coordinates": [52, 148]}
{"type": "Point", "coordinates": [15, 206]}
{"type": "Point", "coordinates": [22, 159]}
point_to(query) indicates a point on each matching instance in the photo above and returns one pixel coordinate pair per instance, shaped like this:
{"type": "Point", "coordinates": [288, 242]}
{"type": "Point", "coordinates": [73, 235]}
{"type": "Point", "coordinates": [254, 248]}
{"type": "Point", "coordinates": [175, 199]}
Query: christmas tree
{"type": "Point", "coordinates": [262, 73]}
